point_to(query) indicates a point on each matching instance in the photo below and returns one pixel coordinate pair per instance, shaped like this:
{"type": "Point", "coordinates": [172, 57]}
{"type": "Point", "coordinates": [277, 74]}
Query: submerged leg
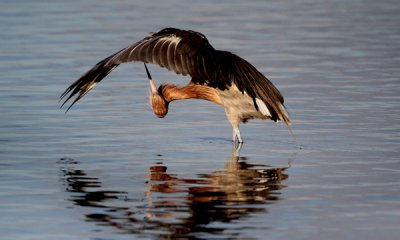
{"type": "Point", "coordinates": [234, 120]}
{"type": "Point", "coordinates": [236, 150]}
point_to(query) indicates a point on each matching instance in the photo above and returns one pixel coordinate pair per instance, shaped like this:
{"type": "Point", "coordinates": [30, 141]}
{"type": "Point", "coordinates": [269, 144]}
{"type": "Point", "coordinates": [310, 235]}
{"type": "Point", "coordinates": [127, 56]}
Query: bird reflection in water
{"type": "Point", "coordinates": [175, 207]}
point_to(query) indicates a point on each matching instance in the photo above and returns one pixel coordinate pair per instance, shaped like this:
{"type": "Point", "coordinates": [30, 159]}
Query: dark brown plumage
{"type": "Point", "coordinates": [218, 76]}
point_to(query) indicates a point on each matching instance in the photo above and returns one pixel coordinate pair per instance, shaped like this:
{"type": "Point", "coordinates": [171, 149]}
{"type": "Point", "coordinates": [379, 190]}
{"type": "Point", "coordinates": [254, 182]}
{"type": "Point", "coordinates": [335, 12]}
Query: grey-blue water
{"type": "Point", "coordinates": [109, 169]}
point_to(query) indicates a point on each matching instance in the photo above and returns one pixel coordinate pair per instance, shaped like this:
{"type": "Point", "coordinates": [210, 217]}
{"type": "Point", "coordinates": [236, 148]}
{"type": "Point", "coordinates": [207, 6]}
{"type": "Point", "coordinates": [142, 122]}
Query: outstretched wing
{"type": "Point", "coordinates": [188, 53]}
{"type": "Point", "coordinates": [177, 50]}
{"type": "Point", "coordinates": [233, 69]}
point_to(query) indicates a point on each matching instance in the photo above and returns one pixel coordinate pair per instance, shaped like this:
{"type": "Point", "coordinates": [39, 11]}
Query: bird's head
{"type": "Point", "coordinates": [157, 100]}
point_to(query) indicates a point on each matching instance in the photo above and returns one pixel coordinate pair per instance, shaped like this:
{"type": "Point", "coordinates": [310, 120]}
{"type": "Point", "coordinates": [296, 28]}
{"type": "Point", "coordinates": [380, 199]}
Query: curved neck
{"type": "Point", "coordinates": [172, 92]}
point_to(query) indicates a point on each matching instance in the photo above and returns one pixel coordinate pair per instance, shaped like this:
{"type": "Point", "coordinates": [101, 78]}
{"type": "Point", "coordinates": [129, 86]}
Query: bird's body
{"type": "Point", "coordinates": [218, 76]}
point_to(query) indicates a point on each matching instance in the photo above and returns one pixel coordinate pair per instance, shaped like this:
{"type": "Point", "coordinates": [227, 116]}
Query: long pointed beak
{"type": "Point", "coordinates": [153, 86]}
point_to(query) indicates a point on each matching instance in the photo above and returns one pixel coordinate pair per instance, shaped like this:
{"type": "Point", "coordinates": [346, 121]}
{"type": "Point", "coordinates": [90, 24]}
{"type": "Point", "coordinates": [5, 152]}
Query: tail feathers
{"type": "Point", "coordinates": [284, 117]}
{"type": "Point", "coordinates": [276, 112]}
{"type": "Point", "coordinates": [283, 114]}
{"type": "Point", "coordinates": [87, 81]}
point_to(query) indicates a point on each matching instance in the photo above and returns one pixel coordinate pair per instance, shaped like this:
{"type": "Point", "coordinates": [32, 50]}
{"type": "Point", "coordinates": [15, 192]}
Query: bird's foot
{"type": "Point", "coordinates": [237, 146]}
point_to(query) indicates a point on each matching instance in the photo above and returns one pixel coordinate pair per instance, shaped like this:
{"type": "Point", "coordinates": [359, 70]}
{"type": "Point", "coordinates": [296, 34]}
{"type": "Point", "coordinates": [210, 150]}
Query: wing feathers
{"type": "Point", "coordinates": [189, 53]}
{"type": "Point", "coordinates": [164, 56]}
{"type": "Point", "coordinates": [182, 62]}
{"type": "Point", "coordinates": [89, 80]}
{"type": "Point", "coordinates": [171, 56]}
{"type": "Point", "coordinates": [164, 48]}
{"type": "Point", "coordinates": [248, 79]}
{"type": "Point", "coordinates": [156, 56]}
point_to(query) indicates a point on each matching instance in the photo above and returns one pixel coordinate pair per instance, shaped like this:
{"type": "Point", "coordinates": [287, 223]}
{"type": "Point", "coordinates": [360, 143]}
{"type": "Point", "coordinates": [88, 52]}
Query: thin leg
{"type": "Point", "coordinates": [234, 120]}
{"type": "Point", "coordinates": [236, 135]}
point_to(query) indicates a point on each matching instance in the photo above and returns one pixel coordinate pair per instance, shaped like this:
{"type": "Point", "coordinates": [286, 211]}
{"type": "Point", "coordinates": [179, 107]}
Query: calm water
{"type": "Point", "coordinates": [109, 169]}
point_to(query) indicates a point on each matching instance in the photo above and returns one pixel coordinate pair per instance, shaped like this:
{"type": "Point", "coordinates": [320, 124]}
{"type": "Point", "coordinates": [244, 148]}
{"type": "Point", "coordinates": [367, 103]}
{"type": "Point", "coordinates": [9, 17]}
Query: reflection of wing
{"type": "Point", "coordinates": [188, 53]}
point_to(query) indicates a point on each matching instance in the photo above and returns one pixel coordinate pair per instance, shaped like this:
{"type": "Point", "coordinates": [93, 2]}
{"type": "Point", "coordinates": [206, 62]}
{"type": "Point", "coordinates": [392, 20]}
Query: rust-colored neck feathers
{"type": "Point", "coordinates": [168, 92]}
{"type": "Point", "coordinates": [172, 92]}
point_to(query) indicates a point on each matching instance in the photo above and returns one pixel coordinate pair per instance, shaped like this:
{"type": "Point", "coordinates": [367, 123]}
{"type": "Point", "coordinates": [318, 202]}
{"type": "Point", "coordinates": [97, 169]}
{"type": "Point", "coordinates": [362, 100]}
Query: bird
{"type": "Point", "coordinates": [218, 76]}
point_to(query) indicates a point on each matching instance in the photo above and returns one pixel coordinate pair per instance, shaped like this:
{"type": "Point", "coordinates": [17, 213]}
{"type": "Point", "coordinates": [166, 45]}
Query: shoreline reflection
{"type": "Point", "coordinates": [176, 207]}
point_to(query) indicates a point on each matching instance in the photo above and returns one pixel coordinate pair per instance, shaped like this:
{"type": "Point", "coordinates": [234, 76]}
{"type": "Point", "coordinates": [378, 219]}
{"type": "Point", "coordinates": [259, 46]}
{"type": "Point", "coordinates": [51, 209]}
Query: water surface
{"type": "Point", "coordinates": [109, 169]}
